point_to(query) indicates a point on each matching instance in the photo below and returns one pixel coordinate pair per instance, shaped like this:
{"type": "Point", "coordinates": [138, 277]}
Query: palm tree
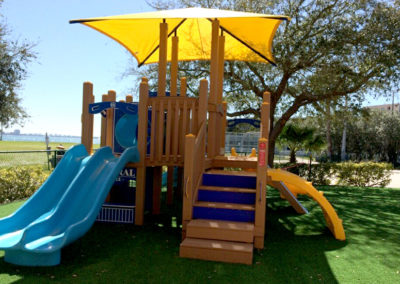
{"type": "Point", "coordinates": [295, 136]}
{"type": "Point", "coordinates": [315, 144]}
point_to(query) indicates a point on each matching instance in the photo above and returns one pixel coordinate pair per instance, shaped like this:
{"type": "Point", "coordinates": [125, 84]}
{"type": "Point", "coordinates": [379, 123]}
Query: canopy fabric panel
{"type": "Point", "coordinates": [248, 36]}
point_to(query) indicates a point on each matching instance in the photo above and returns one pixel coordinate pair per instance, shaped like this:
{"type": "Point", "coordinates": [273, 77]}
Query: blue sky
{"type": "Point", "coordinates": [68, 55]}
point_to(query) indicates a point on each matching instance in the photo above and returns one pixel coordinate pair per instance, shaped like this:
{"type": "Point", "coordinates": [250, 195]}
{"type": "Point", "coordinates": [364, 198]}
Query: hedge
{"type": "Point", "coordinates": [20, 182]}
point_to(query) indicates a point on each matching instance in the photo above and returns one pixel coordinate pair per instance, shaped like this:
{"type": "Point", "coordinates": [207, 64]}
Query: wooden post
{"type": "Point", "coordinates": [174, 66]}
{"type": "Point", "coordinates": [183, 87]}
{"type": "Point", "coordinates": [87, 118]}
{"type": "Point", "coordinates": [221, 62]}
{"type": "Point", "coordinates": [129, 98]}
{"type": "Point", "coordinates": [112, 96]}
{"type": "Point", "coordinates": [157, 183]}
{"type": "Point", "coordinates": [265, 113]}
{"type": "Point", "coordinates": [188, 182]}
{"type": "Point", "coordinates": [162, 59]}
{"type": "Point", "coordinates": [203, 98]}
{"type": "Point", "coordinates": [142, 148]}
{"type": "Point", "coordinates": [259, 222]}
{"type": "Point", "coordinates": [223, 128]}
{"type": "Point", "coordinates": [212, 147]}
{"type": "Point", "coordinates": [170, 185]}
{"type": "Point", "coordinates": [103, 135]}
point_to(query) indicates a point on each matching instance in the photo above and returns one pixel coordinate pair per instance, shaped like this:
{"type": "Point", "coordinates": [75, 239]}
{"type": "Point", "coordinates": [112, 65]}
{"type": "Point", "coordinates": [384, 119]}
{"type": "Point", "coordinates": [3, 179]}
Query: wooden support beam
{"type": "Point", "coordinates": [129, 98]}
{"type": "Point", "coordinates": [162, 60]}
{"type": "Point", "coordinates": [157, 183]}
{"type": "Point", "coordinates": [103, 135]}
{"type": "Point", "coordinates": [87, 118]}
{"type": "Point", "coordinates": [223, 128]}
{"type": "Point", "coordinates": [221, 62]}
{"type": "Point", "coordinates": [142, 148]}
{"type": "Point", "coordinates": [259, 222]}
{"type": "Point", "coordinates": [112, 96]}
{"type": "Point", "coordinates": [183, 87]}
{"type": "Point", "coordinates": [170, 185]}
{"type": "Point", "coordinates": [265, 113]}
{"type": "Point", "coordinates": [174, 66]}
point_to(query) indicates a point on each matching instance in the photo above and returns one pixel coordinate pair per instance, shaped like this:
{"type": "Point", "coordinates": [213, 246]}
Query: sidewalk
{"type": "Point", "coordinates": [395, 179]}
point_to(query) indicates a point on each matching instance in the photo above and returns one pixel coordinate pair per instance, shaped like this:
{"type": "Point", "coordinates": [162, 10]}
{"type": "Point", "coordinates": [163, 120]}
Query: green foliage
{"type": "Point", "coordinates": [363, 174]}
{"type": "Point", "coordinates": [20, 182]}
{"type": "Point", "coordinates": [14, 57]}
{"type": "Point", "coordinates": [348, 174]}
{"type": "Point", "coordinates": [371, 135]}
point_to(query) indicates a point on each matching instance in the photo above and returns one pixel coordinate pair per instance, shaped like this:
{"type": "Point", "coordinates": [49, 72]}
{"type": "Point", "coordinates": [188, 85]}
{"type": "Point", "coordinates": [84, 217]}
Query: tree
{"type": "Point", "coordinates": [330, 49]}
{"type": "Point", "coordinates": [14, 58]}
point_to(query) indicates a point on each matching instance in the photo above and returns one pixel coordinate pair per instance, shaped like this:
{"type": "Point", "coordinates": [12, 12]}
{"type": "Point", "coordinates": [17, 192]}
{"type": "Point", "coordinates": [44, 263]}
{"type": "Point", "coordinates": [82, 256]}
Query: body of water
{"type": "Point", "coordinates": [41, 138]}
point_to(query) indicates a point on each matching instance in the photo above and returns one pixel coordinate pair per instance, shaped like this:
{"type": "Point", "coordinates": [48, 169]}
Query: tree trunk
{"type": "Point", "coordinates": [343, 149]}
{"type": "Point", "coordinates": [292, 156]}
{"type": "Point", "coordinates": [271, 151]}
{"type": "Point", "coordinates": [328, 129]}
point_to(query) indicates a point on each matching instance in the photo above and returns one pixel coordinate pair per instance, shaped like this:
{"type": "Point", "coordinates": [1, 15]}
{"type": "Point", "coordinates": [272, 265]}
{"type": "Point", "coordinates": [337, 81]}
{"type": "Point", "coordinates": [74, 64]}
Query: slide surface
{"type": "Point", "coordinates": [72, 216]}
{"type": "Point", "coordinates": [44, 200]}
{"type": "Point", "coordinates": [298, 185]}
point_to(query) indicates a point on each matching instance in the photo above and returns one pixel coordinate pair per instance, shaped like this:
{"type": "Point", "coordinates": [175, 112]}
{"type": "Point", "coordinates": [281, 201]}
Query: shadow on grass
{"type": "Point", "coordinates": [296, 250]}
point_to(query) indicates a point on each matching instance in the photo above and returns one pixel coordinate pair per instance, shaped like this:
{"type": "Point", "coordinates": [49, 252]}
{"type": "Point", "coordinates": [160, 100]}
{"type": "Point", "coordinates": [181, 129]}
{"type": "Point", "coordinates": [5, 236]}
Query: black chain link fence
{"type": "Point", "coordinates": [46, 158]}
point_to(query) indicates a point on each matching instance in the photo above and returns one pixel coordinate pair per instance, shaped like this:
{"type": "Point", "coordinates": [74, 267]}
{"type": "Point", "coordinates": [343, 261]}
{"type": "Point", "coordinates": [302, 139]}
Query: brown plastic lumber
{"type": "Point", "coordinates": [157, 183]}
{"type": "Point", "coordinates": [168, 134]}
{"type": "Point", "coordinates": [223, 127]}
{"type": "Point", "coordinates": [183, 87]}
{"type": "Point", "coordinates": [112, 95]}
{"type": "Point", "coordinates": [174, 66]}
{"type": "Point", "coordinates": [265, 114]}
{"type": "Point", "coordinates": [162, 60]}
{"type": "Point", "coordinates": [188, 182]}
{"type": "Point", "coordinates": [87, 118]}
{"type": "Point", "coordinates": [129, 98]}
{"type": "Point", "coordinates": [103, 129]}
{"type": "Point", "coordinates": [142, 147]}
{"type": "Point", "coordinates": [170, 185]}
{"type": "Point", "coordinates": [259, 221]}
{"type": "Point", "coordinates": [160, 131]}
{"type": "Point", "coordinates": [203, 101]}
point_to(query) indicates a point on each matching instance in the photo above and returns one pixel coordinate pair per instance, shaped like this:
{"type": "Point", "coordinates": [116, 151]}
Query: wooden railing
{"type": "Point", "coordinates": [171, 119]}
{"type": "Point", "coordinates": [194, 168]}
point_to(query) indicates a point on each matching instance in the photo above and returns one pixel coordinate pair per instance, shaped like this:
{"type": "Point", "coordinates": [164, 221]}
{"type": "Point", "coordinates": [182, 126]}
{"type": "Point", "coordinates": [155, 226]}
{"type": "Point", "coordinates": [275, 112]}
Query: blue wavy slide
{"type": "Point", "coordinates": [63, 209]}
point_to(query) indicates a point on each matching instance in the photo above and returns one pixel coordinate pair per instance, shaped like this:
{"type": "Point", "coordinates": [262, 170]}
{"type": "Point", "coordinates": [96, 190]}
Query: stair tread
{"type": "Point", "coordinates": [222, 205]}
{"type": "Point", "coordinates": [218, 245]}
{"type": "Point", "coordinates": [232, 173]}
{"type": "Point", "coordinates": [227, 189]}
{"type": "Point", "coordinates": [223, 225]}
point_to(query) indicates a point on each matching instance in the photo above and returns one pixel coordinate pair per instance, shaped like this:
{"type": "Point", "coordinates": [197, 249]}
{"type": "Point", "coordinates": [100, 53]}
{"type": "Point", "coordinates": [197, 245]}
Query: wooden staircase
{"type": "Point", "coordinates": [222, 225]}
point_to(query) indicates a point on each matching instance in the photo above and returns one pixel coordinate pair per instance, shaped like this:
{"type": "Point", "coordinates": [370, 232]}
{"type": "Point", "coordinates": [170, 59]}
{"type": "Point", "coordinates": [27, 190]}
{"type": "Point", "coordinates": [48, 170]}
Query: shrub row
{"type": "Point", "coordinates": [20, 182]}
{"type": "Point", "coordinates": [348, 173]}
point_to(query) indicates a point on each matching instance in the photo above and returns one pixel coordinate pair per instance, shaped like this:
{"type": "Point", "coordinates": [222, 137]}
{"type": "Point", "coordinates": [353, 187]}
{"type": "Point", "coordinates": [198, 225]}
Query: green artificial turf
{"type": "Point", "coordinates": [298, 249]}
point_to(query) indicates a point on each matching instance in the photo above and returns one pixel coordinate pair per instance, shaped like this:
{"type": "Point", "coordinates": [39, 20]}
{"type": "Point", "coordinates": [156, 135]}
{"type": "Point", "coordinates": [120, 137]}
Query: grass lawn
{"type": "Point", "coordinates": [298, 249]}
{"type": "Point", "coordinates": [20, 159]}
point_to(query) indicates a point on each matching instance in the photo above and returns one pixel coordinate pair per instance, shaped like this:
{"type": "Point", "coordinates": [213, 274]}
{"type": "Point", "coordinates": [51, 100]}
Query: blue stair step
{"type": "Point", "coordinates": [223, 211]}
{"type": "Point", "coordinates": [228, 195]}
{"type": "Point", "coordinates": [227, 180]}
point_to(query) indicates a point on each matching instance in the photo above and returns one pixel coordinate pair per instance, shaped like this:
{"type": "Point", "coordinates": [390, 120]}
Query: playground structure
{"type": "Point", "coordinates": [223, 216]}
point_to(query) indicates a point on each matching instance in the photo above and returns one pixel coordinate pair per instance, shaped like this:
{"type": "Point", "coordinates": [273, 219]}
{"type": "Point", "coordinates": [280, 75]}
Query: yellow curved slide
{"type": "Point", "coordinates": [298, 185]}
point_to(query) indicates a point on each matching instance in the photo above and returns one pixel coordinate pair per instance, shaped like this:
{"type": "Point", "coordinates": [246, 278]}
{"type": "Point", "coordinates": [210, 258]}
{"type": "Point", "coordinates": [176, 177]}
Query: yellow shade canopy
{"type": "Point", "coordinates": [248, 36]}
